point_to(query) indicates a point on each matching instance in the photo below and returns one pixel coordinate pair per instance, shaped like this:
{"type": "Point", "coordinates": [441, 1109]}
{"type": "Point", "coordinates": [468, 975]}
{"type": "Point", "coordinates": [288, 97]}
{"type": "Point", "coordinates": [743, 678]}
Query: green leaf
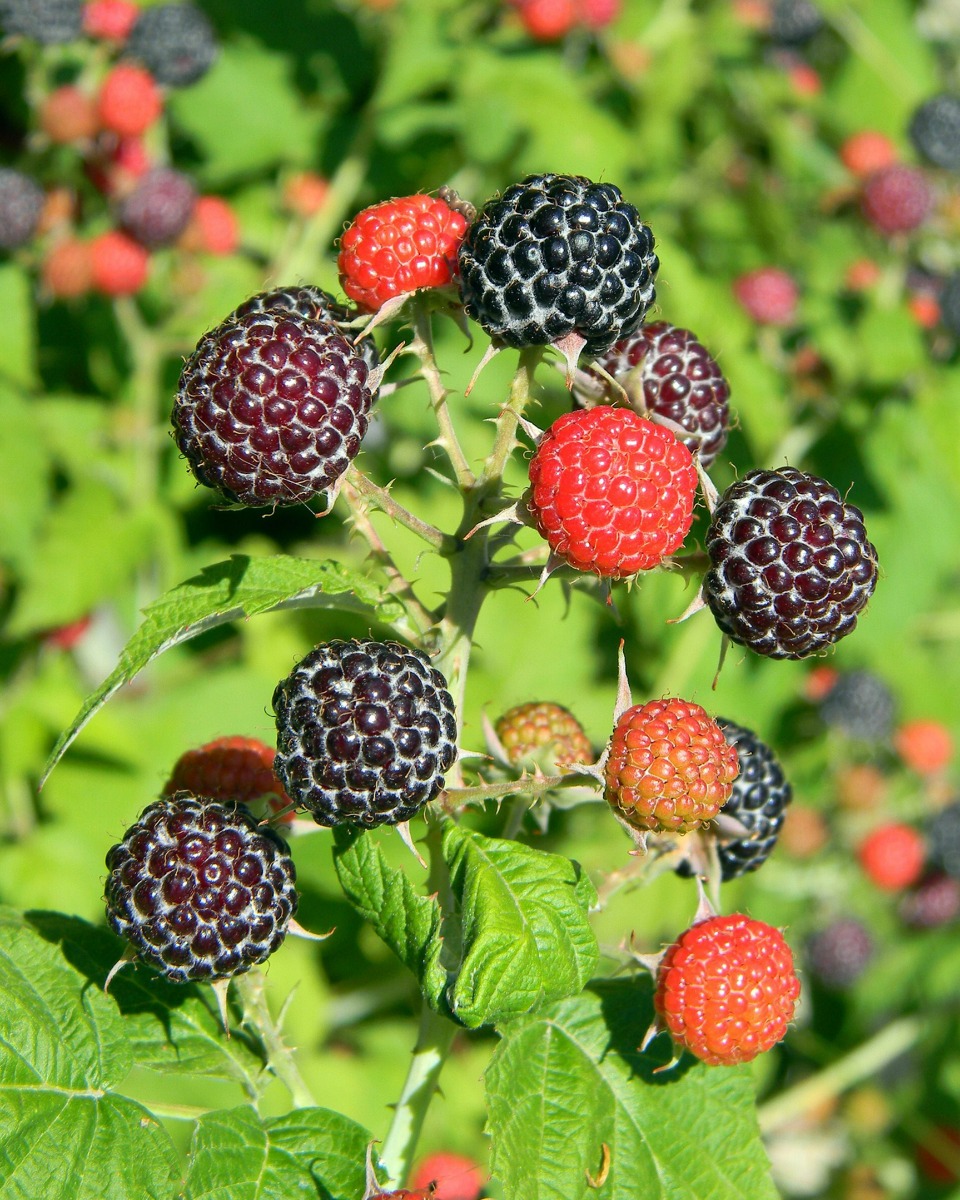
{"type": "Point", "coordinates": [567, 1081]}
{"type": "Point", "coordinates": [18, 350]}
{"type": "Point", "coordinates": [526, 937]}
{"type": "Point", "coordinates": [310, 1152]}
{"type": "Point", "coordinates": [240, 587]}
{"type": "Point", "coordinates": [62, 1047]}
{"type": "Point", "coordinates": [409, 923]}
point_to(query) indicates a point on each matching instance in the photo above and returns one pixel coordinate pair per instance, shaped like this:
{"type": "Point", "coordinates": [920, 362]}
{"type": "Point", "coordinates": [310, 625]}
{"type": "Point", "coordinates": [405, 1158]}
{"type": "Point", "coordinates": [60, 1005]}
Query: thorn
{"type": "Point", "coordinates": [298, 930]}
{"type": "Point", "coordinates": [695, 605]}
{"type": "Point", "coordinates": [129, 955]}
{"type": "Point", "coordinates": [570, 347]}
{"type": "Point", "coordinates": [551, 565]}
{"type": "Point", "coordinates": [533, 432]}
{"type": "Point", "coordinates": [375, 378]}
{"type": "Point", "coordinates": [624, 698]}
{"type": "Point", "coordinates": [724, 647]}
{"type": "Point", "coordinates": [220, 989]}
{"type": "Point", "coordinates": [669, 1065]}
{"type": "Point", "coordinates": [511, 514]}
{"type": "Point", "coordinates": [407, 838]}
{"type": "Point", "coordinates": [491, 352]}
{"type": "Point", "coordinates": [386, 312]}
{"type": "Point", "coordinates": [708, 489]}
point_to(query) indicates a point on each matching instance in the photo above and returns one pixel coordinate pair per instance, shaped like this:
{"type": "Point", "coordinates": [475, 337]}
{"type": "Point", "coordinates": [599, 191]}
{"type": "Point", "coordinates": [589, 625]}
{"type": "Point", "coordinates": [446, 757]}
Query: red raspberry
{"type": "Point", "coordinates": [305, 193]}
{"type": "Point", "coordinates": [231, 770]}
{"type": "Point", "coordinates": [893, 856]}
{"type": "Point", "coordinates": [896, 199]}
{"type": "Point", "coordinates": [548, 20]}
{"type": "Point", "coordinates": [399, 246]}
{"type": "Point", "coordinates": [925, 310]}
{"type": "Point", "coordinates": [769, 295]}
{"type": "Point", "coordinates": [861, 275]}
{"type": "Point", "coordinates": [596, 14]}
{"type": "Point", "coordinates": [130, 101]}
{"type": "Point", "coordinates": [450, 1176]}
{"type": "Point", "coordinates": [669, 766]}
{"type": "Point", "coordinates": [611, 491]}
{"type": "Point", "coordinates": [925, 746]}
{"type": "Point", "coordinates": [68, 114]}
{"type": "Point", "coordinates": [867, 151]}
{"type": "Point", "coordinates": [67, 269]}
{"type": "Point", "coordinates": [806, 80]}
{"type": "Point", "coordinates": [212, 228]}
{"type": "Point", "coordinates": [726, 989]}
{"type": "Point", "coordinates": [118, 265]}
{"type": "Point", "coordinates": [820, 682]}
{"type": "Point", "coordinates": [109, 20]}
{"type": "Point", "coordinates": [547, 734]}
{"type": "Point", "coordinates": [66, 637]}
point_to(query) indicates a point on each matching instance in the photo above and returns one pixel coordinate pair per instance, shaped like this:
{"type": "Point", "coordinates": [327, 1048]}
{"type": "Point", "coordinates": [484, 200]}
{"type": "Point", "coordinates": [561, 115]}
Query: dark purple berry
{"type": "Point", "coordinates": [934, 901]}
{"type": "Point", "coordinates": [21, 203]}
{"type": "Point", "coordinates": [793, 22]}
{"type": "Point", "coordinates": [271, 409]}
{"type": "Point", "coordinates": [839, 954]}
{"type": "Point", "coordinates": [861, 705]}
{"type": "Point", "coordinates": [317, 305]}
{"type": "Point", "coordinates": [159, 208]}
{"type": "Point", "coordinates": [935, 130]}
{"type": "Point", "coordinates": [175, 42]}
{"type": "Point", "coordinates": [950, 304]}
{"type": "Point", "coordinates": [181, 889]}
{"type": "Point", "coordinates": [791, 566]}
{"type": "Point", "coordinates": [943, 839]}
{"type": "Point", "coordinates": [46, 21]}
{"type": "Point", "coordinates": [667, 373]}
{"type": "Point", "coordinates": [557, 255]}
{"type": "Point", "coordinates": [366, 732]}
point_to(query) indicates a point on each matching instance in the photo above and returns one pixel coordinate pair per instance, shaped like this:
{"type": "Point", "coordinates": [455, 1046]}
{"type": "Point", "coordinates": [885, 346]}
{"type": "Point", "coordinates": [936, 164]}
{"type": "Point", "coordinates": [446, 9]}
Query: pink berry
{"type": "Point", "coordinates": [448, 1177]}
{"type": "Point", "coordinates": [896, 199]}
{"type": "Point", "coordinates": [212, 229]}
{"type": "Point", "coordinates": [109, 20]}
{"type": "Point", "coordinates": [548, 20]}
{"type": "Point", "coordinates": [769, 295]}
{"type": "Point", "coordinates": [130, 101]}
{"type": "Point", "coordinates": [893, 856]}
{"type": "Point", "coordinates": [119, 265]}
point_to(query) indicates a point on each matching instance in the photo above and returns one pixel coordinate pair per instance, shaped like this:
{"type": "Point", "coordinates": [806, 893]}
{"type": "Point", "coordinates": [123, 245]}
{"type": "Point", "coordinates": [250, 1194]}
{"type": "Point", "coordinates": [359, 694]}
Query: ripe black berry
{"type": "Point", "coordinates": [199, 889]}
{"type": "Point", "coordinates": [666, 372]}
{"type": "Point", "coordinates": [317, 305]}
{"type": "Point", "coordinates": [935, 901]}
{"type": "Point", "coordinates": [175, 42]}
{"type": "Point", "coordinates": [791, 567]}
{"type": "Point", "coordinates": [158, 209]}
{"type": "Point", "coordinates": [46, 21]}
{"type": "Point", "coordinates": [21, 202]}
{"type": "Point", "coordinates": [365, 733]}
{"type": "Point", "coordinates": [555, 255]}
{"type": "Point", "coordinates": [271, 409]}
{"type": "Point", "coordinates": [839, 954]}
{"type": "Point", "coordinates": [950, 304]}
{"type": "Point", "coordinates": [943, 839]}
{"type": "Point", "coordinates": [935, 130]}
{"type": "Point", "coordinates": [793, 22]}
{"type": "Point", "coordinates": [861, 705]}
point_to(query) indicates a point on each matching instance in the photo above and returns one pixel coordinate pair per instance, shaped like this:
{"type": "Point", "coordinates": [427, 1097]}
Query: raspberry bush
{"type": "Point", "coordinates": [383, 519]}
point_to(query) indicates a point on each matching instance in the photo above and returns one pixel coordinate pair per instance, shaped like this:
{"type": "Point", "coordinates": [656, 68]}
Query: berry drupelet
{"type": "Point", "coordinates": [544, 734]}
{"type": "Point", "coordinates": [314, 304]}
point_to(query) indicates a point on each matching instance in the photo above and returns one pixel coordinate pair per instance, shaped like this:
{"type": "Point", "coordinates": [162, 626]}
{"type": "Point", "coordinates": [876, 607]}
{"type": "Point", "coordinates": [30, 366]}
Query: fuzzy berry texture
{"type": "Point", "coordinates": [611, 492]}
{"type": "Point", "coordinates": [314, 304]}
{"type": "Point", "coordinates": [768, 295]}
{"type": "Point", "coordinates": [893, 856]}
{"type": "Point", "coordinates": [860, 705]}
{"type": "Point", "coordinates": [119, 266]}
{"type": "Point", "coordinates": [668, 767]}
{"type": "Point", "coordinates": [271, 408]}
{"type": "Point", "coordinates": [554, 256]}
{"type": "Point", "coordinates": [791, 566]}
{"type": "Point", "coordinates": [897, 199]}
{"type": "Point", "coordinates": [398, 247]}
{"type": "Point", "coordinates": [840, 953]}
{"type": "Point", "coordinates": [448, 1176]}
{"type": "Point", "coordinates": [867, 151]}
{"type": "Point", "coordinates": [200, 891]}
{"type": "Point", "coordinates": [366, 732]}
{"type": "Point", "coordinates": [69, 114]}
{"type": "Point", "coordinates": [726, 990]}
{"type": "Point", "coordinates": [175, 42]}
{"type": "Point", "coordinates": [129, 101]}
{"type": "Point", "coordinates": [935, 130]}
{"type": "Point", "coordinates": [667, 372]}
{"type": "Point", "coordinates": [925, 746]}
{"type": "Point", "coordinates": [109, 20]}
{"type": "Point", "coordinates": [21, 204]}
{"type": "Point", "coordinates": [212, 229]}
{"type": "Point", "coordinates": [47, 21]}
{"type": "Point", "coordinates": [230, 770]}
{"type": "Point", "coordinates": [159, 208]}
{"type": "Point", "coordinates": [544, 734]}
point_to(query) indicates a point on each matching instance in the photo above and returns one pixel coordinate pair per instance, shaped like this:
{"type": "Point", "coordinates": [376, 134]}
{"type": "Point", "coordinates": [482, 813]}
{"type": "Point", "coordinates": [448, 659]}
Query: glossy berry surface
{"type": "Point", "coordinates": [544, 733]}
{"type": "Point", "coordinates": [726, 990]}
{"type": "Point", "coordinates": [668, 373]}
{"type": "Point", "coordinates": [175, 42]}
{"type": "Point", "coordinates": [893, 856]}
{"type": "Point", "coordinates": [46, 21]}
{"type": "Point", "coordinates": [896, 199]}
{"type": "Point", "coordinates": [366, 732]}
{"type": "Point", "coordinates": [158, 209]}
{"type": "Point", "coordinates": [669, 766]}
{"type": "Point", "coordinates": [556, 255]}
{"type": "Point", "coordinates": [316, 305]}
{"type": "Point", "coordinates": [861, 705]}
{"type": "Point", "coordinates": [791, 566]}
{"type": "Point", "coordinates": [271, 409]}
{"type": "Point", "coordinates": [230, 770]}
{"type": "Point", "coordinates": [840, 953]}
{"type": "Point", "coordinates": [935, 130]}
{"type": "Point", "coordinates": [397, 247]}
{"type": "Point", "coordinates": [21, 203]}
{"type": "Point", "coordinates": [199, 890]}
{"type": "Point", "coordinates": [611, 492]}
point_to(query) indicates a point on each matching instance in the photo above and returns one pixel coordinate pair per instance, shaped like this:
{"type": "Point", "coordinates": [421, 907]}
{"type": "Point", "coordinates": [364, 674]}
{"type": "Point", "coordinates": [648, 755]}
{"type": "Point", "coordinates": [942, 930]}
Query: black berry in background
{"type": "Point", "coordinates": [861, 705]}
{"type": "Point", "coordinates": [366, 732]}
{"type": "Point", "coordinates": [555, 255]}
{"type": "Point", "coordinates": [839, 954]}
{"type": "Point", "coordinates": [950, 304]}
{"type": "Point", "coordinates": [271, 409]}
{"type": "Point", "coordinates": [935, 130]}
{"type": "Point", "coordinates": [200, 890]}
{"type": "Point", "coordinates": [793, 22]}
{"type": "Point", "coordinates": [21, 203]}
{"type": "Point", "coordinates": [943, 839]}
{"type": "Point", "coordinates": [317, 305]}
{"type": "Point", "coordinates": [47, 21]}
{"type": "Point", "coordinates": [159, 208]}
{"type": "Point", "coordinates": [791, 566]}
{"type": "Point", "coordinates": [934, 901]}
{"type": "Point", "coordinates": [175, 42]}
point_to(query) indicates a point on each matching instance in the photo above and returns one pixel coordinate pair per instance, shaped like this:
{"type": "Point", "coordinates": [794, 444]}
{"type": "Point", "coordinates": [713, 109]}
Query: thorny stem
{"type": "Point", "coordinates": [256, 1013]}
{"type": "Point", "coordinates": [422, 346]}
{"type": "Point", "coordinates": [381, 498]}
{"type": "Point", "coordinates": [142, 395]}
{"type": "Point", "coordinates": [509, 416]}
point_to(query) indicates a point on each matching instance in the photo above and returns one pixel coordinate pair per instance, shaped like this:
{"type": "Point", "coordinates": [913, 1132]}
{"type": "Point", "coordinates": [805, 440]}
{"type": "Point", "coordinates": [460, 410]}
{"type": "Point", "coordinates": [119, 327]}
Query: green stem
{"type": "Point", "coordinates": [381, 498]}
{"type": "Point", "coordinates": [510, 414]}
{"type": "Point", "coordinates": [142, 394]}
{"type": "Point", "coordinates": [422, 347]}
{"type": "Point", "coordinates": [256, 1013]}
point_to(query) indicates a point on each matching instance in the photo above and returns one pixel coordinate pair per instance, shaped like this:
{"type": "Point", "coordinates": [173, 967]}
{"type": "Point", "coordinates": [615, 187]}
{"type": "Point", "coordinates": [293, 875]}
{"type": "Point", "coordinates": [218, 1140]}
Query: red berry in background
{"type": "Point", "coordinates": [230, 770]}
{"type": "Point", "coordinates": [926, 746]}
{"type": "Point", "coordinates": [67, 269]}
{"type": "Point", "coordinates": [925, 309]}
{"type": "Point", "coordinates": [806, 80]}
{"type": "Point", "coordinates": [867, 151]}
{"type": "Point", "coordinates": [212, 229]}
{"type": "Point", "coordinates": [118, 265]}
{"type": "Point", "coordinates": [548, 20]}
{"type": "Point", "coordinates": [129, 101]}
{"type": "Point", "coordinates": [938, 1156]}
{"type": "Point", "coordinates": [399, 246]}
{"type": "Point", "coordinates": [109, 20]}
{"type": "Point", "coordinates": [726, 990]}
{"type": "Point", "coordinates": [596, 14]}
{"type": "Point", "coordinates": [819, 682]}
{"type": "Point", "coordinates": [69, 114]}
{"type": "Point", "coordinates": [611, 491]}
{"type": "Point", "coordinates": [892, 856]}
{"type": "Point", "coordinates": [65, 637]}
{"type": "Point", "coordinates": [669, 766]}
{"type": "Point", "coordinates": [305, 193]}
{"type": "Point", "coordinates": [769, 295]}
{"type": "Point", "coordinates": [450, 1176]}
{"type": "Point", "coordinates": [896, 199]}
{"type": "Point", "coordinates": [861, 275]}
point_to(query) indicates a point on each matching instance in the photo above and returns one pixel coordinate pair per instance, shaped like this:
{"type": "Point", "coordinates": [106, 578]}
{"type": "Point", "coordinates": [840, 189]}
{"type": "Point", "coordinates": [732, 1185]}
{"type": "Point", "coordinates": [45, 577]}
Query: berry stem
{"type": "Point", "coordinates": [422, 347]}
{"type": "Point", "coordinates": [492, 474]}
{"type": "Point", "coordinates": [382, 499]}
{"type": "Point", "coordinates": [142, 393]}
{"type": "Point", "coordinates": [256, 1013]}
{"type": "Point", "coordinates": [530, 786]}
